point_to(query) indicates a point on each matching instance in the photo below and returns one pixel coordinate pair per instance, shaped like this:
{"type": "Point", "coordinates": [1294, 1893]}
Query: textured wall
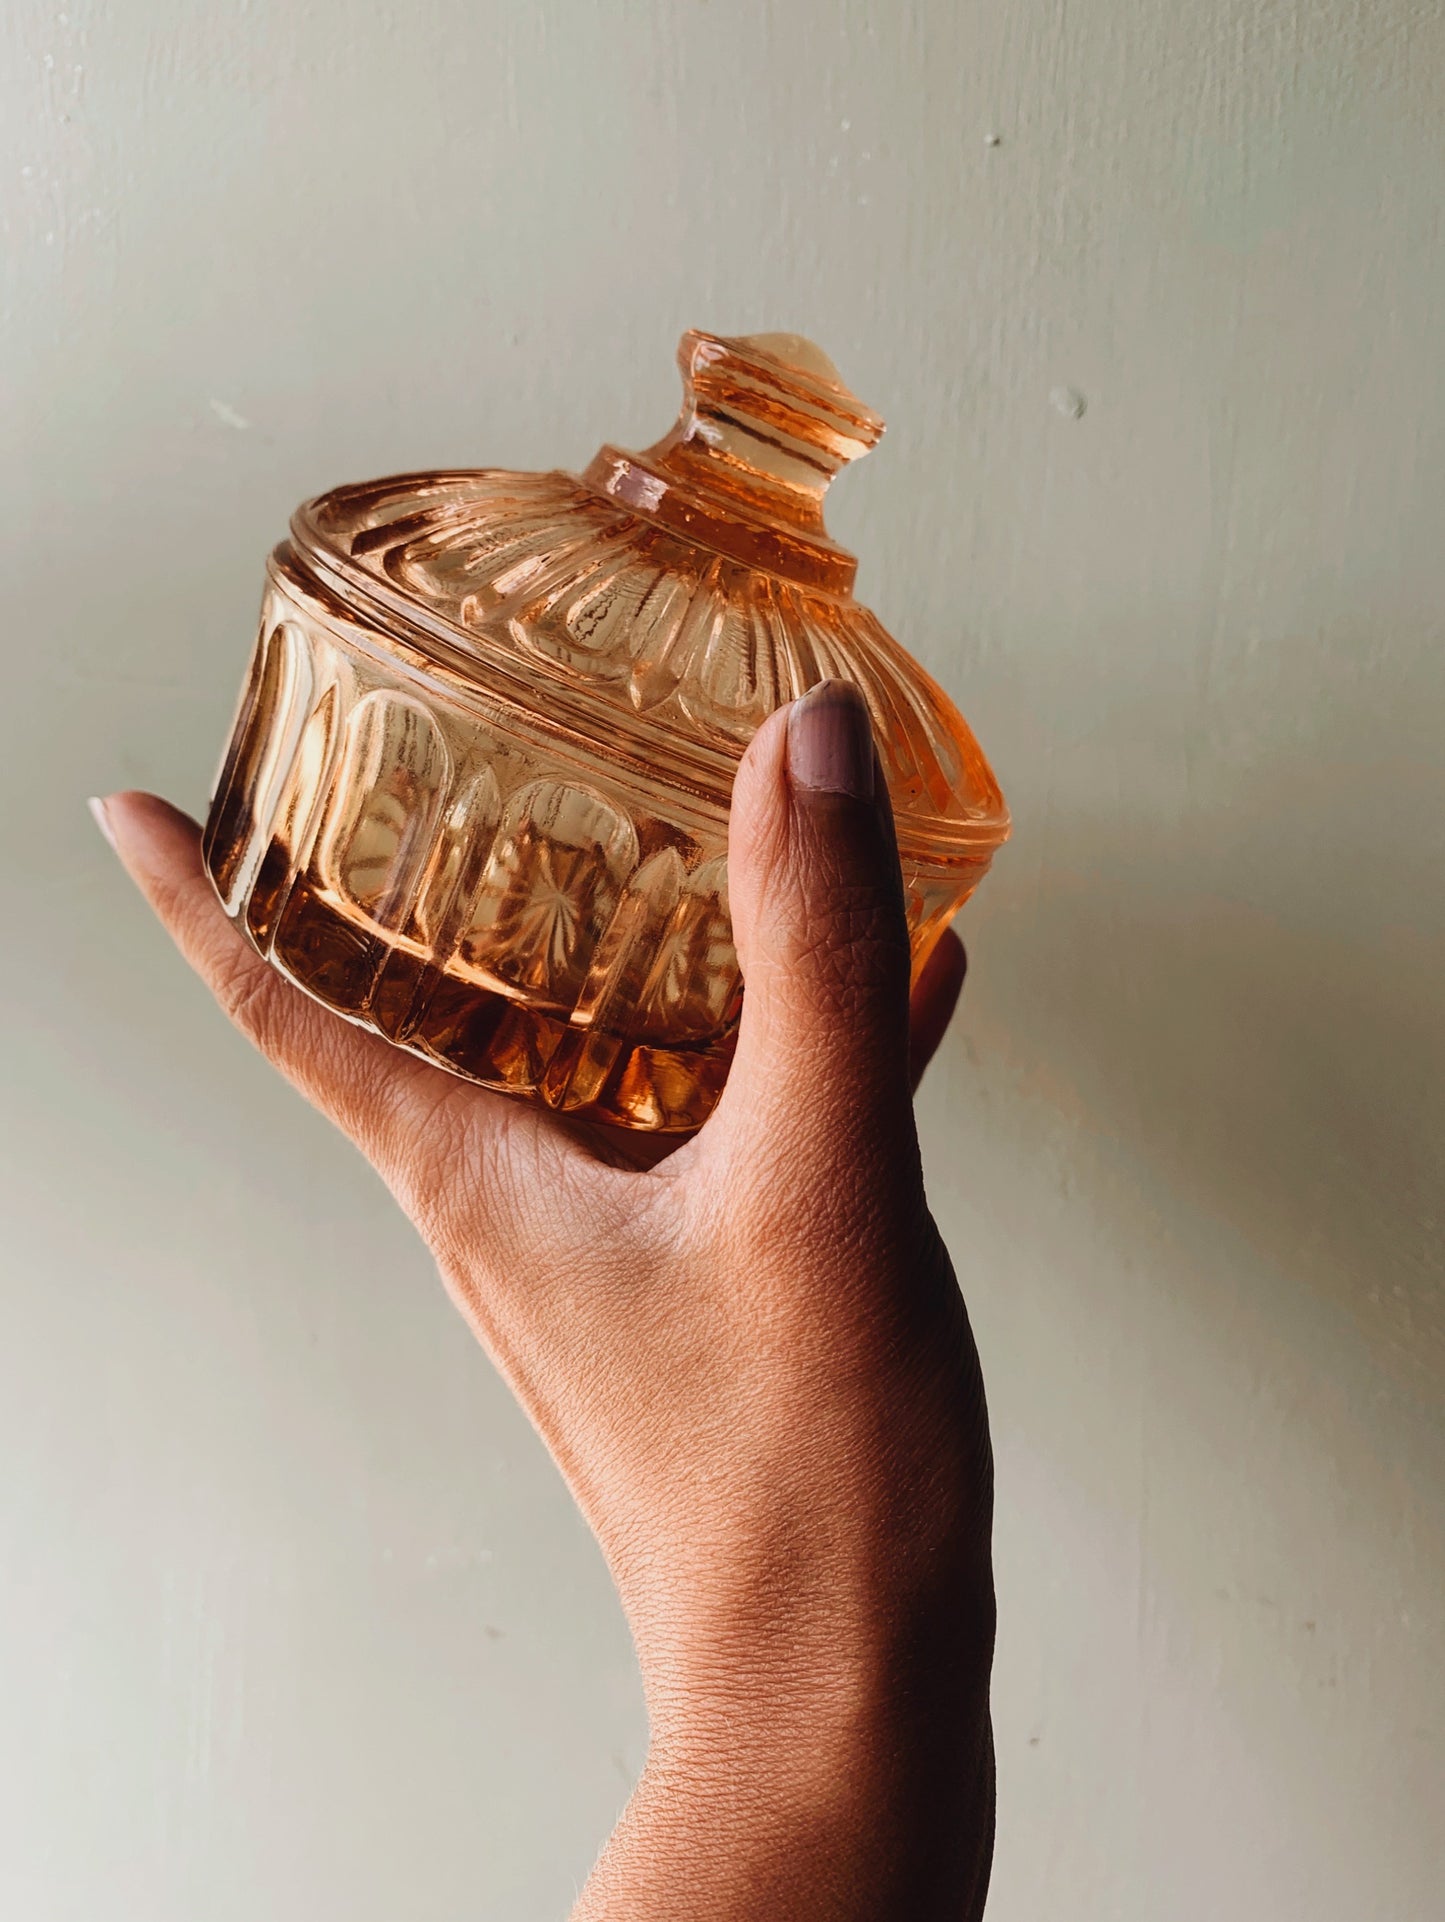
{"type": "Point", "coordinates": [295, 1618]}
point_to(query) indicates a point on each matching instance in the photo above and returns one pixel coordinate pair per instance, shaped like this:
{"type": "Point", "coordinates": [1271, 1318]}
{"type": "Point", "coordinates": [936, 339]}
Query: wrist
{"type": "Point", "coordinates": [860, 1698]}
{"type": "Point", "coordinates": [860, 1612]}
{"type": "Point", "coordinates": [863, 1723]}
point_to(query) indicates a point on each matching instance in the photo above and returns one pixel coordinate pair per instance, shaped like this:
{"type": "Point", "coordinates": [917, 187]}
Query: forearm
{"type": "Point", "coordinates": [843, 1793]}
{"type": "Point", "coordinates": [713, 1843]}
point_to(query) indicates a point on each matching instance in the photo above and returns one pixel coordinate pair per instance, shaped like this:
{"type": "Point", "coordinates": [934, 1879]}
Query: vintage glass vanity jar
{"type": "Point", "coordinates": [476, 794]}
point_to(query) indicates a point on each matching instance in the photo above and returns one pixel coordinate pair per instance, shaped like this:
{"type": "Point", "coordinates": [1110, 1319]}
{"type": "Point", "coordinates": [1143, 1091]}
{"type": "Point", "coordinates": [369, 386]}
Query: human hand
{"type": "Point", "coordinates": [751, 1361]}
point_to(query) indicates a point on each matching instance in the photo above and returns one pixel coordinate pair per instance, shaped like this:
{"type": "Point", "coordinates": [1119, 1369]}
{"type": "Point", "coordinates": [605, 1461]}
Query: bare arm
{"type": "Point", "coordinates": [751, 1361]}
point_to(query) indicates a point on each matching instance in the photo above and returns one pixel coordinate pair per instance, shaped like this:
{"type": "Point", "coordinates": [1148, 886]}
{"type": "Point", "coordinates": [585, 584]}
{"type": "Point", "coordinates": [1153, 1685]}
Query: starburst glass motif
{"type": "Point", "coordinates": [548, 889]}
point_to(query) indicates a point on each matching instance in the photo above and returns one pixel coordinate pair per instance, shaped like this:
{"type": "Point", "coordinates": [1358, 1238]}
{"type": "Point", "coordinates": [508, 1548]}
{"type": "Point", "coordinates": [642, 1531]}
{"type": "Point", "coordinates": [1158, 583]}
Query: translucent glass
{"type": "Point", "coordinates": [477, 788]}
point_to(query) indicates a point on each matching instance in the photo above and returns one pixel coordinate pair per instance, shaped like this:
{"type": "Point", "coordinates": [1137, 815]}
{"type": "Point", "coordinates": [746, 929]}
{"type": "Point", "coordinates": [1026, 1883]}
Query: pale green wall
{"type": "Point", "coordinates": [295, 1619]}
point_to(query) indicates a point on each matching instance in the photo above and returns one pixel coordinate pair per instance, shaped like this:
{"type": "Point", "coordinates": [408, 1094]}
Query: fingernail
{"type": "Point", "coordinates": [830, 741]}
{"type": "Point", "coordinates": [102, 819]}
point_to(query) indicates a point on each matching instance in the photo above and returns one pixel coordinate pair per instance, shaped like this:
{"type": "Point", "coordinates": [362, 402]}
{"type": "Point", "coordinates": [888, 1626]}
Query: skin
{"type": "Point", "coordinates": [751, 1361]}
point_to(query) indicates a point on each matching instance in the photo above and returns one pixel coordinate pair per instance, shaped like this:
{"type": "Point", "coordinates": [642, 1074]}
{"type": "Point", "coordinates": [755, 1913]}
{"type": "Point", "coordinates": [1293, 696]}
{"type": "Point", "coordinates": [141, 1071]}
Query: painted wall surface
{"type": "Point", "coordinates": [296, 1620]}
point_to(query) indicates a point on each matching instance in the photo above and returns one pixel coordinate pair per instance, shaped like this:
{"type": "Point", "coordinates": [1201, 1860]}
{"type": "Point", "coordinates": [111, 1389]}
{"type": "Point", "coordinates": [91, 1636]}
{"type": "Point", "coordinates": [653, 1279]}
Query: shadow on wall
{"type": "Point", "coordinates": [1242, 985]}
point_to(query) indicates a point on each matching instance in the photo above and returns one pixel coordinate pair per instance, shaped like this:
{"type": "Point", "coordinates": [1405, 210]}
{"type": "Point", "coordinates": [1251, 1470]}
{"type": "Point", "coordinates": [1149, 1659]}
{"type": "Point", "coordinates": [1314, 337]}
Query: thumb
{"type": "Point", "coordinates": [822, 939]}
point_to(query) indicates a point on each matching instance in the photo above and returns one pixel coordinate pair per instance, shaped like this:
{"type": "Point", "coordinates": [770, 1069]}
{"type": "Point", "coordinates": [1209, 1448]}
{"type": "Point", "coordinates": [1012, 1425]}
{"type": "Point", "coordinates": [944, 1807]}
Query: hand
{"type": "Point", "coordinates": [751, 1361]}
